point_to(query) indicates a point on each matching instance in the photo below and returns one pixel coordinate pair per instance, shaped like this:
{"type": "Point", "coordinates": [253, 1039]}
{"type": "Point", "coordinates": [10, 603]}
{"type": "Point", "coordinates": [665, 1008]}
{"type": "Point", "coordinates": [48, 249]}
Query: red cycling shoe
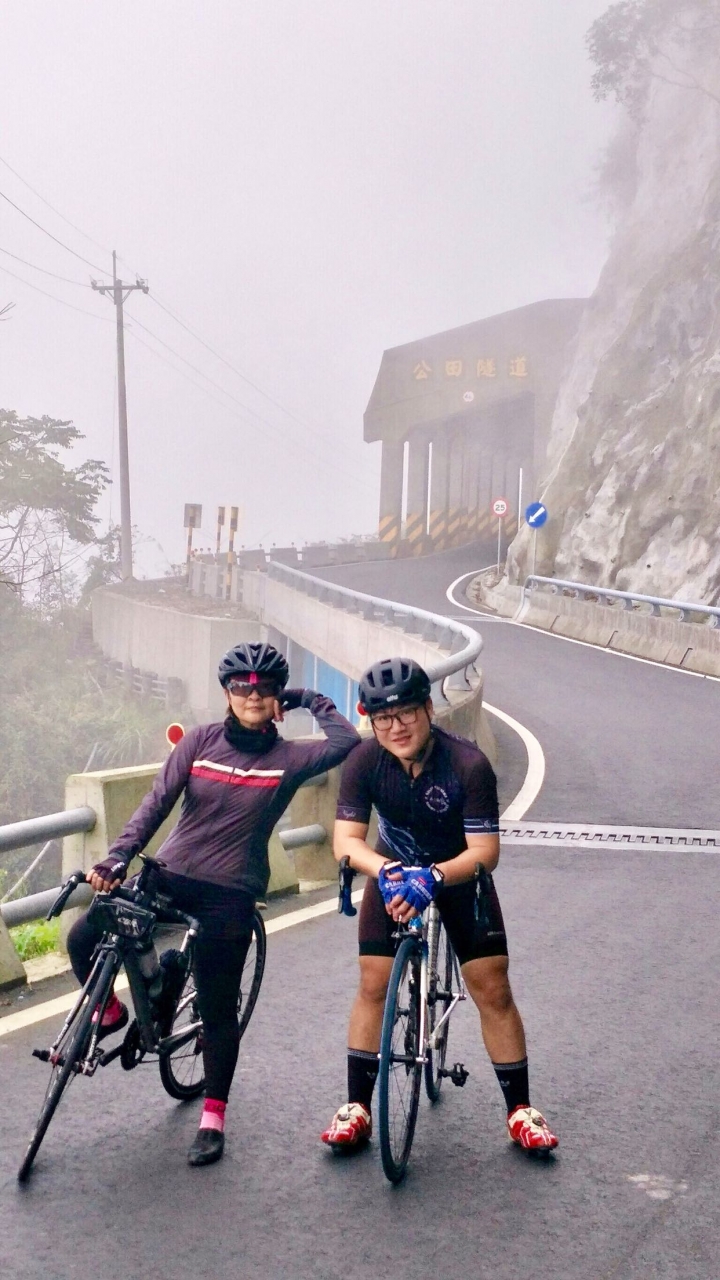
{"type": "Point", "coordinates": [350, 1127]}
{"type": "Point", "coordinates": [529, 1129]}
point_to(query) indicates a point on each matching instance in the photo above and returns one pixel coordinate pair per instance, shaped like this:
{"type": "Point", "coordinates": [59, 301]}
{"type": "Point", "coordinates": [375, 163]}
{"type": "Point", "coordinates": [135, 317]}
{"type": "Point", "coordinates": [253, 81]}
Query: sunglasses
{"type": "Point", "coordinates": [263, 688]}
{"type": "Point", "coordinates": [383, 721]}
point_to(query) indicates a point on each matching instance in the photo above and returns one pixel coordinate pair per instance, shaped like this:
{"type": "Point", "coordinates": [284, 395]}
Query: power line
{"type": "Point", "coordinates": [44, 230]}
{"type": "Point", "coordinates": [54, 274]}
{"type": "Point", "coordinates": [83, 311]}
{"type": "Point", "coordinates": [79, 230]}
{"type": "Point", "coordinates": [299, 448]}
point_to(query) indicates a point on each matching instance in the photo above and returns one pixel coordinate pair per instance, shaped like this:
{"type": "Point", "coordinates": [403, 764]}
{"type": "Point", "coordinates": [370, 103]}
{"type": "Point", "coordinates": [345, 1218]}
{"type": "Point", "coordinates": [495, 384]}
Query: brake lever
{"type": "Point", "coordinates": [346, 875]}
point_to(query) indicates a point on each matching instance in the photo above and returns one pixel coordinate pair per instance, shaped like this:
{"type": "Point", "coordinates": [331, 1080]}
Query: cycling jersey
{"type": "Point", "coordinates": [232, 799]}
{"type": "Point", "coordinates": [425, 819]}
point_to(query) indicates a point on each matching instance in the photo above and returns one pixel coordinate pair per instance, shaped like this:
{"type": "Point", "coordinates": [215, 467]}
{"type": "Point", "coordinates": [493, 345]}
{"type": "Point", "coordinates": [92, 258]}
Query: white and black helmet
{"type": "Point", "coordinates": [392, 682]}
{"type": "Point", "coordinates": [259, 659]}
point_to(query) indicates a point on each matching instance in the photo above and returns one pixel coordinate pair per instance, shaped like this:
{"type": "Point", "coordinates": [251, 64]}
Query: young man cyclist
{"type": "Point", "coordinates": [436, 800]}
{"type": "Point", "coordinates": [236, 779]}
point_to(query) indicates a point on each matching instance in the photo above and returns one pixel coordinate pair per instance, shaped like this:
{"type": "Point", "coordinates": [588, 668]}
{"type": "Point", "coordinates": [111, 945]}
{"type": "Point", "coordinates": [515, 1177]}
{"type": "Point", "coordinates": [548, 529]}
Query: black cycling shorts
{"type": "Point", "coordinates": [472, 938]}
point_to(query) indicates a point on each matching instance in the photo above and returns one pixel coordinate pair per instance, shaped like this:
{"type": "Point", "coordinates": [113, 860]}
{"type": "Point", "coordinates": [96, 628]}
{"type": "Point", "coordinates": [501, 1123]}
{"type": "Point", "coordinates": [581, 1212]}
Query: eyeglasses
{"type": "Point", "coordinates": [263, 689]}
{"type": "Point", "coordinates": [406, 715]}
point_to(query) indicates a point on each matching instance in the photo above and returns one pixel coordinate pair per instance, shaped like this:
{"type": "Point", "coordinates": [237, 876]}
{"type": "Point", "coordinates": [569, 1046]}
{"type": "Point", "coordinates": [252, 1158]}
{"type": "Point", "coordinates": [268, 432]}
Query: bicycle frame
{"type": "Point", "coordinates": [431, 934]}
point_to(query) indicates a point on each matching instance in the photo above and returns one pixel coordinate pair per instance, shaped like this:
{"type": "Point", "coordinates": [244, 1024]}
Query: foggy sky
{"type": "Point", "coordinates": [305, 185]}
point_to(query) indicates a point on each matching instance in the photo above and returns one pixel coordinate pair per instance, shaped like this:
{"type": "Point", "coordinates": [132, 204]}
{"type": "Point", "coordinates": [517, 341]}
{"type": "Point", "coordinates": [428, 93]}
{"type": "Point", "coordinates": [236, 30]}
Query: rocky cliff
{"type": "Point", "coordinates": [633, 485]}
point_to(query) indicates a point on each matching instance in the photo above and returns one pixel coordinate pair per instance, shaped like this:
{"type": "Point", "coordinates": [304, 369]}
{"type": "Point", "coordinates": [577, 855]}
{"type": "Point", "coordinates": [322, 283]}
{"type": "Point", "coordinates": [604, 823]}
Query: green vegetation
{"type": "Point", "coordinates": [638, 41]}
{"type": "Point", "coordinates": [60, 704]}
{"type": "Point", "coordinates": [36, 939]}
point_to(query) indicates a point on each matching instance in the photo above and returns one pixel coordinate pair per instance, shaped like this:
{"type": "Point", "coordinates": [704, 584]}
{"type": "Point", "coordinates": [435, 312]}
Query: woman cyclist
{"type": "Point", "coordinates": [237, 777]}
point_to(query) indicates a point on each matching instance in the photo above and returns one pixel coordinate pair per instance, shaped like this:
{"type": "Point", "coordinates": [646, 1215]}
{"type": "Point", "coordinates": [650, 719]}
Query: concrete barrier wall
{"type": "Point", "coordinates": [157, 638]}
{"type": "Point", "coordinates": [691, 646]}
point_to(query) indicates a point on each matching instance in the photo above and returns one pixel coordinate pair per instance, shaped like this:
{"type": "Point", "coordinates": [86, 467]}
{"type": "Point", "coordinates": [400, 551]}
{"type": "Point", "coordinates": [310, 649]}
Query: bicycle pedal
{"type": "Point", "coordinates": [42, 1054]}
{"type": "Point", "coordinates": [457, 1074]}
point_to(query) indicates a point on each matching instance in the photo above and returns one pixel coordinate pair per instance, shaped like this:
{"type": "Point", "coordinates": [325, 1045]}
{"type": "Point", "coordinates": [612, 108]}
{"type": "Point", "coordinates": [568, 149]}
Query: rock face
{"type": "Point", "coordinates": [633, 486]}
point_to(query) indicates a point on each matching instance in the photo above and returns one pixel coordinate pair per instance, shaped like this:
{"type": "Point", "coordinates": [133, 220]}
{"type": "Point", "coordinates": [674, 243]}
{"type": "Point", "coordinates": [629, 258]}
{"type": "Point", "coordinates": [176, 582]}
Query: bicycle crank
{"type": "Point", "coordinates": [132, 1050]}
{"type": "Point", "coordinates": [457, 1074]}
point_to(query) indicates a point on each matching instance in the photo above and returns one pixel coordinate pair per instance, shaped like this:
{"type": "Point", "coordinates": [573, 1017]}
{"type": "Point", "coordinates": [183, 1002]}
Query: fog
{"type": "Point", "coordinates": [305, 185]}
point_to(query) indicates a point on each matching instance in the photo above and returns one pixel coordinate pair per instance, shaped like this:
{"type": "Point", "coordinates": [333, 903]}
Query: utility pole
{"type": "Point", "coordinates": [119, 293]}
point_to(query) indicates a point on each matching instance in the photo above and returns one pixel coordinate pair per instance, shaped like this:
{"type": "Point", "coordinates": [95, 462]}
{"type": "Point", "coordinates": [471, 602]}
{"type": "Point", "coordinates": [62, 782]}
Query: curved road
{"type": "Point", "coordinates": [615, 966]}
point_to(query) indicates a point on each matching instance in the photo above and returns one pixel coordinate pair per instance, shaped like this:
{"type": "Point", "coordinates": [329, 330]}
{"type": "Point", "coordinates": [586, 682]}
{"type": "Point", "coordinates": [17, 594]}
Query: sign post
{"type": "Point", "coordinates": [536, 515]}
{"type": "Point", "coordinates": [192, 520]}
{"type": "Point", "coordinates": [499, 508]}
{"type": "Point", "coordinates": [234, 515]}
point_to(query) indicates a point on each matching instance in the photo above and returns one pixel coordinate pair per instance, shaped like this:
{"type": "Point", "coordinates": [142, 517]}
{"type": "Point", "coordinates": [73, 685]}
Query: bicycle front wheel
{"type": "Point", "coordinates": [252, 974]}
{"type": "Point", "coordinates": [400, 1072]}
{"type": "Point", "coordinates": [440, 995]}
{"type": "Point", "coordinates": [68, 1056]}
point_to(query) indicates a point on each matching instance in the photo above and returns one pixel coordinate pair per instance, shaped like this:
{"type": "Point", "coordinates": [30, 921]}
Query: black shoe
{"type": "Point", "coordinates": [112, 1027]}
{"type": "Point", "coordinates": [208, 1147]}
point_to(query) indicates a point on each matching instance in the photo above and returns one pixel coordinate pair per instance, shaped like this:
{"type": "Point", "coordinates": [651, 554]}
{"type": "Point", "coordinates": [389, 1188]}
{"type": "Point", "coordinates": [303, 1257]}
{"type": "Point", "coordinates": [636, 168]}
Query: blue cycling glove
{"type": "Point", "coordinates": [390, 888]}
{"type": "Point", "coordinates": [419, 887]}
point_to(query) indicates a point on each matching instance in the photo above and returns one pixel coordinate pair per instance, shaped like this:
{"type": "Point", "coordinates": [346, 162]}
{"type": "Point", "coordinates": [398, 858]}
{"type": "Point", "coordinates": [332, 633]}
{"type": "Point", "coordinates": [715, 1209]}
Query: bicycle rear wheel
{"type": "Point", "coordinates": [182, 1070]}
{"type": "Point", "coordinates": [69, 1054]}
{"type": "Point", "coordinates": [400, 1072]}
{"type": "Point", "coordinates": [440, 994]}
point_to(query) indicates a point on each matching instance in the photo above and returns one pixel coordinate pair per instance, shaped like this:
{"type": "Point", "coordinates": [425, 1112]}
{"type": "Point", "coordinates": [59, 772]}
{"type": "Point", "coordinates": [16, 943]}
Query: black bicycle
{"type": "Point", "coordinates": [167, 1024]}
{"type": "Point", "coordinates": [425, 988]}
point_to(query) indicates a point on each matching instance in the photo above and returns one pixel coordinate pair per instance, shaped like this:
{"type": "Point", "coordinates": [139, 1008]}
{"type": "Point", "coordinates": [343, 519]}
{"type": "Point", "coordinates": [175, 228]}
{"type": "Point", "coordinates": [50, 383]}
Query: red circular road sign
{"type": "Point", "coordinates": [174, 734]}
{"type": "Point", "coordinates": [500, 508]}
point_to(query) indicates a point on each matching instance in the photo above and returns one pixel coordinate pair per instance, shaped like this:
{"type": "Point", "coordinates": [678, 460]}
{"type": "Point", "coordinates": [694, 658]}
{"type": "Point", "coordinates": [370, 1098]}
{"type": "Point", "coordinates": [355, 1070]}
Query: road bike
{"type": "Point", "coordinates": [425, 988]}
{"type": "Point", "coordinates": [167, 1026]}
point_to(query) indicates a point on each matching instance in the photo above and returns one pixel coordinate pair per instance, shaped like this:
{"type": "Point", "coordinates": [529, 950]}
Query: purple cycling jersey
{"type": "Point", "coordinates": [232, 799]}
{"type": "Point", "coordinates": [426, 819]}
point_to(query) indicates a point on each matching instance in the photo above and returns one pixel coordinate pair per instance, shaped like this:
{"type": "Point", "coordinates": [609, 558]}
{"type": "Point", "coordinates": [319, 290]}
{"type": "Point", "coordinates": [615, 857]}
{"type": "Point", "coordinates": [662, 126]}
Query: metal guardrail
{"type": "Point", "coordinates": [631, 599]}
{"type": "Point", "coordinates": [463, 641]}
{"type": "Point", "coordinates": [17, 835]}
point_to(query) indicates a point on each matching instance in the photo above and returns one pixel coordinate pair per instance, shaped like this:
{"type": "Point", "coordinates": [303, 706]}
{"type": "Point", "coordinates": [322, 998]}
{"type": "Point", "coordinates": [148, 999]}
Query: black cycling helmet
{"type": "Point", "coordinates": [260, 659]}
{"type": "Point", "coordinates": [393, 681]}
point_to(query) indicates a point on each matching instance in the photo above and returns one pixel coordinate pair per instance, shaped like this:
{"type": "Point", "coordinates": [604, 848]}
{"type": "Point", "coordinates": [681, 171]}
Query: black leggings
{"type": "Point", "coordinates": [217, 968]}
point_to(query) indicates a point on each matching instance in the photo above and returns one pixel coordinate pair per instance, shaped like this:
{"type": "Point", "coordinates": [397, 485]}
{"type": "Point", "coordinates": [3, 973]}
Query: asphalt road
{"type": "Point", "coordinates": [615, 968]}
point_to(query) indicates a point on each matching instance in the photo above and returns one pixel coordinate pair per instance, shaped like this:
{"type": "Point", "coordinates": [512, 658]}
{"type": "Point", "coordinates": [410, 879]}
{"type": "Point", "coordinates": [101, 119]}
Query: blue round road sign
{"type": "Point", "coordinates": [536, 514]}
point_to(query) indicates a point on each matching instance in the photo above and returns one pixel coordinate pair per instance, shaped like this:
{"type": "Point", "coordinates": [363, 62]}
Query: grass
{"type": "Point", "coordinates": [36, 939]}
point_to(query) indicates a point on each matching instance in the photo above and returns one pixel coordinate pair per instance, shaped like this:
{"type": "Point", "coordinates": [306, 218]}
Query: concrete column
{"type": "Point", "coordinates": [439, 491]}
{"type": "Point", "coordinates": [417, 483]}
{"type": "Point", "coordinates": [391, 481]}
{"type": "Point", "coordinates": [456, 523]}
{"type": "Point", "coordinates": [484, 494]}
{"type": "Point", "coordinates": [12, 972]}
{"type": "Point", "coordinates": [470, 486]}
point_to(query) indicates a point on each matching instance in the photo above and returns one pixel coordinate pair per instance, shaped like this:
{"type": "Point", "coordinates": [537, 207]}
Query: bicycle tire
{"type": "Point", "coordinates": [400, 1073]}
{"type": "Point", "coordinates": [252, 975]}
{"type": "Point", "coordinates": [179, 1070]}
{"type": "Point", "coordinates": [439, 996]}
{"type": "Point", "coordinates": [72, 1049]}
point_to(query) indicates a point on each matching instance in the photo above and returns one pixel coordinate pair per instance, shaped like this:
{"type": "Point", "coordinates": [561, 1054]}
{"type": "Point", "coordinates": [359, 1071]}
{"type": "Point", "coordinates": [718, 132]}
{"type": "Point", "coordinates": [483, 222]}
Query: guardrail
{"type": "Point", "coordinates": [445, 632]}
{"type": "Point", "coordinates": [16, 835]}
{"type": "Point", "coordinates": [35, 906]}
{"type": "Point", "coordinates": [630, 599]}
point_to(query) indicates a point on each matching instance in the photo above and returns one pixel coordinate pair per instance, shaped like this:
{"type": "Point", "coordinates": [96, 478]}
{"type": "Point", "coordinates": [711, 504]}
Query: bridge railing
{"type": "Point", "coordinates": [35, 906]}
{"type": "Point", "coordinates": [700, 614]}
{"type": "Point", "coordinates": [464, 643]}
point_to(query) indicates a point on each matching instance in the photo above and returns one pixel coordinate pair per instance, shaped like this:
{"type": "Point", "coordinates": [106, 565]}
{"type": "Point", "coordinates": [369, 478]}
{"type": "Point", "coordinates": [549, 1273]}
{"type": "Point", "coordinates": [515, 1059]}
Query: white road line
{"type": "Point", "coordinates": [555, 635]}
{"type": "Point", "coordinates": [535, 775]}
{"type": "Point", "coordinates": [63, 1004]}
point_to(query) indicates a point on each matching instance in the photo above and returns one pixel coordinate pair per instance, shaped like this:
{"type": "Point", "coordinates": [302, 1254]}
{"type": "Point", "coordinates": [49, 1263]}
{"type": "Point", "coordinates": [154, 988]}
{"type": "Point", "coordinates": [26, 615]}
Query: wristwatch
{"type": "Point", "coordinates": [437, 874]}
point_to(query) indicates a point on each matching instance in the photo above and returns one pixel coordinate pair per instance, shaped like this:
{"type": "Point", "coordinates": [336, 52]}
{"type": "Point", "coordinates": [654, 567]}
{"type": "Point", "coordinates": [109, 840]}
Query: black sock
{"type": "Point", "coordinates": [513, 1080]}
{"type": "Point", "coordinates": [362, 1074]}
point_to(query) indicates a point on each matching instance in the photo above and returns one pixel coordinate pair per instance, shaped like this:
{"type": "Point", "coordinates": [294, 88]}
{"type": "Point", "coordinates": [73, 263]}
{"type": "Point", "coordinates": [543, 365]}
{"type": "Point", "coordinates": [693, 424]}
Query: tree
{"type": "Point", "coordinates": [638, 41]}
{"type": "Point", "coordinates": [46, 508]}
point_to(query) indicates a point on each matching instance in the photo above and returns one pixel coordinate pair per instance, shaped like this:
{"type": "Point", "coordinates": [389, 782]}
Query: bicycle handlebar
{"type": "Point", "coordinates": [165, 915]}
{"type": "Point", "coordinates": [71, 884]}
